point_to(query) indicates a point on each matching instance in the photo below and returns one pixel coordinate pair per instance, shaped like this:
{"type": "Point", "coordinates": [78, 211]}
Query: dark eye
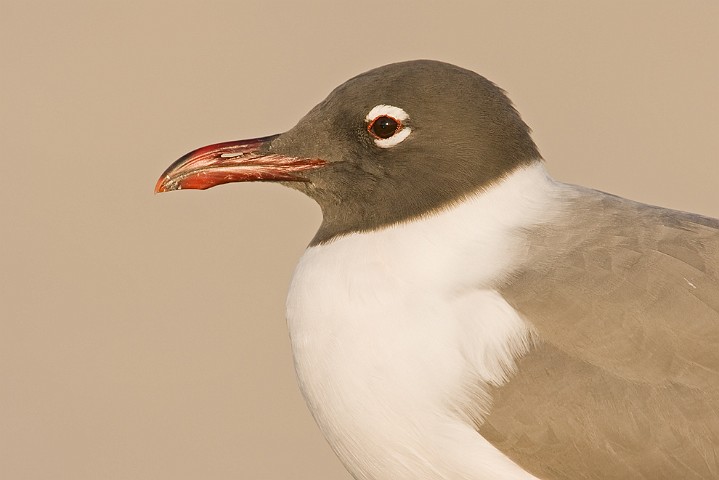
{"type": "Point", "coordinates": [384, 126]}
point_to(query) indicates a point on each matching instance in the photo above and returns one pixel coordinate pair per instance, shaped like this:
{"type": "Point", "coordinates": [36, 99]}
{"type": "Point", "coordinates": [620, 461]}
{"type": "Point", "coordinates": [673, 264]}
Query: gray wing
{"type": "Point", "coordinates": [624, 379]}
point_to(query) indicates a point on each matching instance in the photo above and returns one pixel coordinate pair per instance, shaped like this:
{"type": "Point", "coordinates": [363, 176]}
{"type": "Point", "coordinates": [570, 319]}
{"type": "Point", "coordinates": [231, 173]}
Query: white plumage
{"type": "Point", "coordinates": [389, 328]}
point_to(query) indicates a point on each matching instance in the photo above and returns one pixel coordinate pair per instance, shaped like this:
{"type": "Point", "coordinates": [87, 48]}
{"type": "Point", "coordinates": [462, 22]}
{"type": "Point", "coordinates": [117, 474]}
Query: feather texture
{"type": "Point", "coordinates": [624, 382]}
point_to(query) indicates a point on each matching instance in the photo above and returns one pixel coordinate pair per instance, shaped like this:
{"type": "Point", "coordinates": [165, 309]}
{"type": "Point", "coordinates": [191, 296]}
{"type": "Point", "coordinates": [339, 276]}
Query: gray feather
{"type": "Point", "coordinates": [624, 379]}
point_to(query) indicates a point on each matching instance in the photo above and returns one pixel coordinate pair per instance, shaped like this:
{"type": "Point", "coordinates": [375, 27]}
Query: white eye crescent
{"type": "Point", "coordinates": [386, 125]}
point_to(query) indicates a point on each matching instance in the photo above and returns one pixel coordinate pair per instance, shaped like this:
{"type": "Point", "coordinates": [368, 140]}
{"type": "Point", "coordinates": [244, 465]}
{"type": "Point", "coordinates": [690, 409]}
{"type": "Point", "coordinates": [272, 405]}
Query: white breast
{"type": "Point", "coordinates": [389, 327]}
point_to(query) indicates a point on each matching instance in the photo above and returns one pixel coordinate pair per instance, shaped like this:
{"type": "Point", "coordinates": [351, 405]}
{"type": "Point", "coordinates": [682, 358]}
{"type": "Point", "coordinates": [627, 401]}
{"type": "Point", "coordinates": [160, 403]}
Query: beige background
{"type": "Point", "coordinates": [141, 336]}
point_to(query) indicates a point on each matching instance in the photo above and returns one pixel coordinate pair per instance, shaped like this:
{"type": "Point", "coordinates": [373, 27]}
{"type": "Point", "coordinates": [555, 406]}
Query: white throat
{"type": "Point", "coordinates": [392, 328]}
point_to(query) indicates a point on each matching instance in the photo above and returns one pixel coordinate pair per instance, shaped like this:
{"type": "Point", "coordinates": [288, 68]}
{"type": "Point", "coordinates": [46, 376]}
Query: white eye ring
{"type": "Point", "coordinates": [393, 112]}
